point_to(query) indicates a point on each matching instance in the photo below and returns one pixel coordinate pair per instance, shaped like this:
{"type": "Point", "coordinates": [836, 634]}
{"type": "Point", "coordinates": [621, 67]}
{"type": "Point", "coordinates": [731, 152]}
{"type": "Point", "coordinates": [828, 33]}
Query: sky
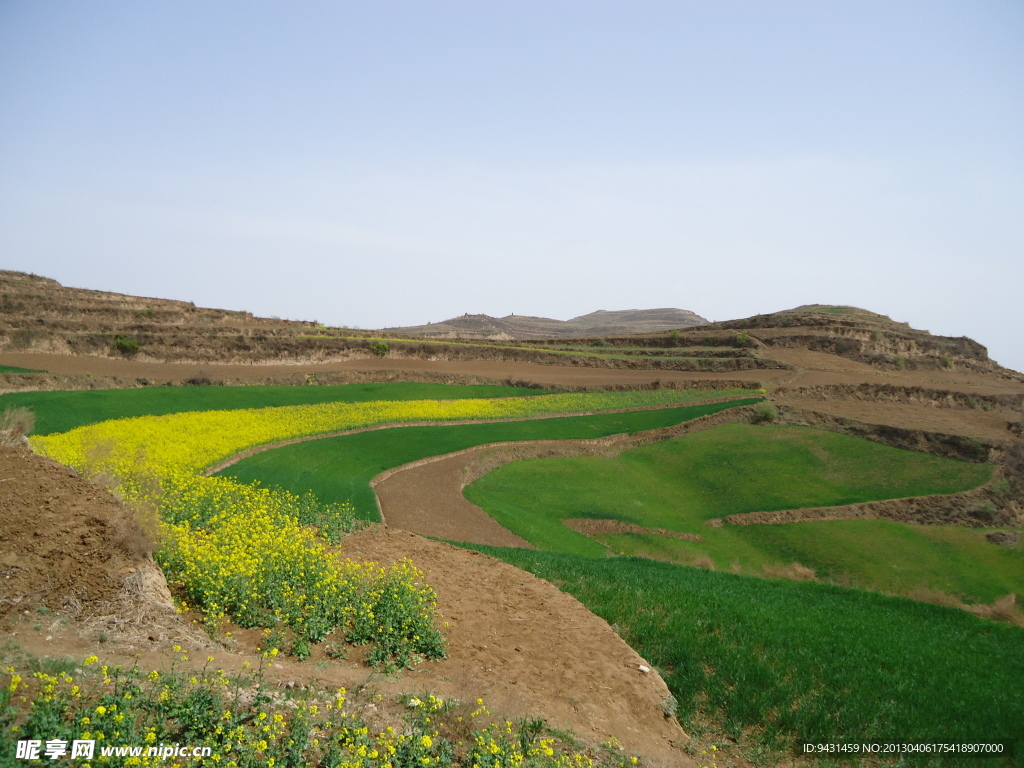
{"type": "Point", "coordinates": [380, 163]}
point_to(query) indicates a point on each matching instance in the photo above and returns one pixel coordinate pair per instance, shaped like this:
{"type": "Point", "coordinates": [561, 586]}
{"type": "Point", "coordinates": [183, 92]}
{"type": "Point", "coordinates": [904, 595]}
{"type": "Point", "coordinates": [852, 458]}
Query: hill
{"type": "Point", "coordinates": [600, 323]}
{"type": "Point", "coordinates": [40, 314]}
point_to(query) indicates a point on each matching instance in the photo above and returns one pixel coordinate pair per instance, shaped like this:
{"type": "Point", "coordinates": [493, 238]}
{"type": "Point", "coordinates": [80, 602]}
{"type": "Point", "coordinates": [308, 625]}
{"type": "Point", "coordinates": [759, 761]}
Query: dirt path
{"type": "Point", "coordinates": [815, 369]}
{"type": "Point", "coordinates": [489, 370]}
{"type": "Point", "coordinates": [970, 423]}
{"type": "Point", "coordinates": [529, 647]}
{"type": "Point", "coordinates": [427, 499]}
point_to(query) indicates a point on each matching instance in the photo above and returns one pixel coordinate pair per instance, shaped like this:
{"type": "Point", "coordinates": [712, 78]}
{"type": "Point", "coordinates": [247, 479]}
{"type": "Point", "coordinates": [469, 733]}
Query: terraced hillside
{"type": "Point", "coordinates": [38, 314]}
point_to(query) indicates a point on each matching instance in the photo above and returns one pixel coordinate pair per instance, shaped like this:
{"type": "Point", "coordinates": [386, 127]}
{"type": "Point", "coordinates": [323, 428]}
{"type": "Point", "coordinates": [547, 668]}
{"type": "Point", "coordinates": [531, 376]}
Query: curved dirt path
{"type": "Point", "coordinates": [426, 497]}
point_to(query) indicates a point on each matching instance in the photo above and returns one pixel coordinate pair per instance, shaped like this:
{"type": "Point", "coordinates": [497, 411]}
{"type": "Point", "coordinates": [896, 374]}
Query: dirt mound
{"type": "Point", "coordinates": [1004, 538]}
{"type": "Point", "coordinates": [63, 541]}
{"type": "Point", "coordinates": [530, 649]}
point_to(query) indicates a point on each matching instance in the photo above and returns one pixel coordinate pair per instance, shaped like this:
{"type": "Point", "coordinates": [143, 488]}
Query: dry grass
{"type": "Point", "coordinates": [1001, 609]}
{"type": "Point", "coordinates": [143, 610]}
{"type": "Point", "coordinates": [15, 425]}
{"type": "Point", "coordinates": [794, 572]}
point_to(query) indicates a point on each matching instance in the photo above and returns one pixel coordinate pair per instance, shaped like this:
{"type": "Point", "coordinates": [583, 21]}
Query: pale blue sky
{"type": "Point", "coordinates": [389, 163]}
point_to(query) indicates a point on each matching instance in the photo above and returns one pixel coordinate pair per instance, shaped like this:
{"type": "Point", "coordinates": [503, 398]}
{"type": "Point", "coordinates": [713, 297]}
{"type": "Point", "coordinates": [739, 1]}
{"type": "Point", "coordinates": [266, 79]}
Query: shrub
{"type": "Point", "coordinates": [599, 343]}
{"type": "Point", "coordinates": [947, 361]}
{"type": "Point", "coordinates": [126, 345]}
{"type": "Point", "coordinates": [986, 513]}
{"type": "Point", "coordinates": [765, 413]}
{"type": "Point", "coordinates": [23, 338]}
{"type": "Point", "coordinates": [380, 349]}
{"type": "Point", "coordinates": [1000, 486]}
{"type": "Point", "coordinates": [199, 379]}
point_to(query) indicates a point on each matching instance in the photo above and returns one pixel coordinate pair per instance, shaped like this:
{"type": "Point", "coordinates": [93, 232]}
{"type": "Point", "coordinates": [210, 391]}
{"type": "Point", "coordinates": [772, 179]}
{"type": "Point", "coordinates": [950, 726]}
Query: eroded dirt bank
{"type": "Point", "coordinates": [967, 508]}
{"type": "Point", "coordinates": [62, 540]}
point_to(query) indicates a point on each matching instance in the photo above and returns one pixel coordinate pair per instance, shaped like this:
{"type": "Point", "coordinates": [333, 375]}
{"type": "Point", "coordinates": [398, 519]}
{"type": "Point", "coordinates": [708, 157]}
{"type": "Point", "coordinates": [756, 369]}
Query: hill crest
{"type": "Point", "coordinates": [599, 323]}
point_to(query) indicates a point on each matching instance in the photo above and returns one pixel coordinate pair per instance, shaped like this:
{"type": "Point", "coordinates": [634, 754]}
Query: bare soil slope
{"type": "Point", "coordinates": [63, 541]}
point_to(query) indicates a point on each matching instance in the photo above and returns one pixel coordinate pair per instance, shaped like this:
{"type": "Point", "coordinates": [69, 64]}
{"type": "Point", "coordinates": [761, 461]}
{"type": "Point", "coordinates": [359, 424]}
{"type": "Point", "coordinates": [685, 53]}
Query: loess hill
{"type": "Point", "coordinates": [838, 368]}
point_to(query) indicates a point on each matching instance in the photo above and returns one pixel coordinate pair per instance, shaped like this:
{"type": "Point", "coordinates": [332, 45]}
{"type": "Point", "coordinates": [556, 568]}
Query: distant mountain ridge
{"type": "Point", "coordinates": [600, 323]}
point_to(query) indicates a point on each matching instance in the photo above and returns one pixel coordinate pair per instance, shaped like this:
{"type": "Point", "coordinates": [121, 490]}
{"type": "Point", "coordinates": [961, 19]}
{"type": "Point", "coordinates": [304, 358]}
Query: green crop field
{"type": "Point", "coordinates": [803, 662]}
{"type": "Point", "coordinates": [680, 484]}
{"type": "Point", "coordinates": [340, 468]}
{"type": "Point", "coordinates": [878, 555]}
{"type": "Point", "coordinates": [60, 411]}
